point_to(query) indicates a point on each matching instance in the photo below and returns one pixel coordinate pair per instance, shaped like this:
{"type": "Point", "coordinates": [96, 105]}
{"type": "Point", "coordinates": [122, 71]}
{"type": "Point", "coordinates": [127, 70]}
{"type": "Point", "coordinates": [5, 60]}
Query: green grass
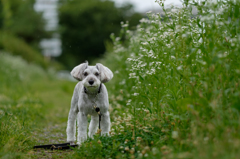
{"type": "Point", "coordinates": [175, 91]}
{"type": "Point", "coordinates": [31, 100]}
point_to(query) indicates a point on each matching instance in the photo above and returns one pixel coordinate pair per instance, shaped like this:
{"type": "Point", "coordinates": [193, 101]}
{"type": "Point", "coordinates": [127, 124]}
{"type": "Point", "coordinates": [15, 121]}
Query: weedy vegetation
{"type": "Point", "coordinates": [177, 82]}
{"type": "Point", "coordinates": [175, 91]}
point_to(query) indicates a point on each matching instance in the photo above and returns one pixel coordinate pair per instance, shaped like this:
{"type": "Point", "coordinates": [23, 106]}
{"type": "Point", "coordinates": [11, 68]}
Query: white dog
{"type": "Point", "coordinates": [90, 92]}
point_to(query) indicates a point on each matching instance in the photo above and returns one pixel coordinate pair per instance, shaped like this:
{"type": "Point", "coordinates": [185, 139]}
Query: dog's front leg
{"type": "Point", "coordinates": [71, 126]}
{"type": "Point", "coordinates": [93, 126]}
{"type": "Point", "coordinates": [105, 123]}
{"type": "Point", "coordinates": [82, 127]}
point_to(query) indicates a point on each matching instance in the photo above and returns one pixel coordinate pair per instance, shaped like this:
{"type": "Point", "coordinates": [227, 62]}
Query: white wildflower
{"type": "Point", "coordinates": [125, 25]}
{"type": "Point", "coordinates": [206, 139]}
{"type": "Point", "coordinates": [174, 134]}
{"type": "Point", "coordinates": [145, 43]}
{"type": "Point", "coordinates": [184, 35]}
{"type": "Point", "coordinates": [179, 67]}
{"type": "Point", "coordinates": [135, 94]}
{"type": "Point", "coordinates": [154, 150]}
{"type": "Point", "coordinates": [144, 20]}
{"type": "Point", "coordinates": [1, 112]}
{"type": "Point", "coordinates": [118, 39]}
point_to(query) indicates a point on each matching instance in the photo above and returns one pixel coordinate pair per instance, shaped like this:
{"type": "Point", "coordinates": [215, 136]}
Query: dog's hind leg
{"type": "Point", "coordinates": [93, 126]}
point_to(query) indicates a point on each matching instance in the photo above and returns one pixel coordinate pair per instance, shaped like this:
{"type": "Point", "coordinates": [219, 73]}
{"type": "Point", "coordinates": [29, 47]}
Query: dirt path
{"type": "Point", "coordinates": [50, 135]}
{"type": "Point", "coordinates": [56, 99]}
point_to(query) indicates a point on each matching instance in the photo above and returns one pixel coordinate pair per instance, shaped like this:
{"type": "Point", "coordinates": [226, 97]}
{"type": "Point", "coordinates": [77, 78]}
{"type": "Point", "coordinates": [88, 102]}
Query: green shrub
{"type": "Point", "coordinates": [21, 19]}
{"type": "Point", "coordinates": [16, 46]}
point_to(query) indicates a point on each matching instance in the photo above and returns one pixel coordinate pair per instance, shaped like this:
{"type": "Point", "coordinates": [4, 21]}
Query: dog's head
{"type": "Point", "coordinates": [92, 76]}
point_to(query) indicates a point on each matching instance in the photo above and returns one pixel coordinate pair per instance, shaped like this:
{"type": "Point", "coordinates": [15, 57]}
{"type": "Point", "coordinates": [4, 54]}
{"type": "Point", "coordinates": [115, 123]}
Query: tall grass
{"type": "Point", "coordinates": [175, 92]}
{"type": "Point", "coordinates": [18, 108]}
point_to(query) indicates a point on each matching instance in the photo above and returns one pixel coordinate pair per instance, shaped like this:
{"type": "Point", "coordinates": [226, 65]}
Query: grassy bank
{"type": "Point", "coordinates": [31, 100]}
{"type": "Point", "coordinates": [18, 47]}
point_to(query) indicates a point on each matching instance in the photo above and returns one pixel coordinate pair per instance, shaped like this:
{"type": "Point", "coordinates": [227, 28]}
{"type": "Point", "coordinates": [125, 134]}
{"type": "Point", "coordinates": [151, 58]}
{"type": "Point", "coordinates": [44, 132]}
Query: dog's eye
{"type": "Point", "coordinates": [96, 74]}
{"type": "Point", "coordinates": [85, 74]}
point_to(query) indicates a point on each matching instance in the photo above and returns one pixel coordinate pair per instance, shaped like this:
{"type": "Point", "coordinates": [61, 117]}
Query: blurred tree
{"type": "Point", "coordinates": [19, 18]}
{"type": "Point", "coordinates": [86, 25]}
{"type": "Point", "coordinates": [1, 14]}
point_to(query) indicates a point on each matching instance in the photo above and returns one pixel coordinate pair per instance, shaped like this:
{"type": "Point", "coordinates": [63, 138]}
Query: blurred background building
{"type": "Point", "coordinates": [51, 47]}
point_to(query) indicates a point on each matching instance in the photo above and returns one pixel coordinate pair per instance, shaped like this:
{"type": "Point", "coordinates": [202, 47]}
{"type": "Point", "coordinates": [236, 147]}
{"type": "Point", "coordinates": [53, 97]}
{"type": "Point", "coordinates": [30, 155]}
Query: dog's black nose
{"type": "Point", "coordinates": [91, 82]}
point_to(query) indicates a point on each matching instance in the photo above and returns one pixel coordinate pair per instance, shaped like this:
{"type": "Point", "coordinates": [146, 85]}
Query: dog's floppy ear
{"type": "Point", "coordinates": [105, 73]}
{"type": "Point", "coordinates": [77, 71]}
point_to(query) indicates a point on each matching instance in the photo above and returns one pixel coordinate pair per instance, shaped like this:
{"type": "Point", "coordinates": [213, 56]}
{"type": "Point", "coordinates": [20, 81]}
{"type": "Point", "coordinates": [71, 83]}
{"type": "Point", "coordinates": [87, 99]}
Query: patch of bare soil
{"type": "Point", "coordinates": [52, 134]}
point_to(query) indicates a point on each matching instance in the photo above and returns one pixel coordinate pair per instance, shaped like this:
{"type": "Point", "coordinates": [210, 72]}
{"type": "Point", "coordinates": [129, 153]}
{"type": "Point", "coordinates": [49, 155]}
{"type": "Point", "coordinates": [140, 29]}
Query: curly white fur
{"type": "Point", "coordinates": [90, 77]}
